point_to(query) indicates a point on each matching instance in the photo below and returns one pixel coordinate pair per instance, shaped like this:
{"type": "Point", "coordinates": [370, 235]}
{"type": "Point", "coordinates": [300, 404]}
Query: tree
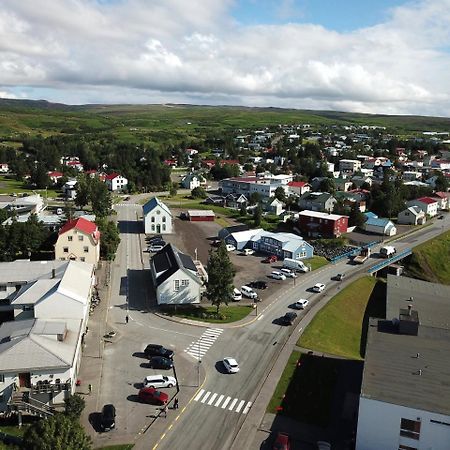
{"type": "Point", "coordinates": [219, 287]}
{"type": "Point", "coordinates": [74, 405]}
{"type": "Point", "coordinates": [172, 190]}
{"type": "Point", "coordinates": [58, 432]}
{"type": "Point", "coordinates": [327, 185]}
{"type": "Point", "coordinates": [100, 198]}
{"type": "Point", "coordinates": [257, 216]}
{"type": "Point", "coordinates": [83, 192]}
{"type": "Point", "coordinates": [280, 194]}
{"type": "Point", "coordinates": [243, 210]}
{"type": "Point", "coordinates": [255, 197]}
{"type": "Point", "coordinates": [199, 192]}
{"type": "Point", "coordinates": [356, 217]}
{"type": "Point", "coordinates": [110, 238]}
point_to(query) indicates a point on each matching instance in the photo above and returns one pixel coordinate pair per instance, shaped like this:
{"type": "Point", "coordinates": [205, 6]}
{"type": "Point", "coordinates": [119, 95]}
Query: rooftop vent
{"type": "Point", "coordinates": [408, 322]}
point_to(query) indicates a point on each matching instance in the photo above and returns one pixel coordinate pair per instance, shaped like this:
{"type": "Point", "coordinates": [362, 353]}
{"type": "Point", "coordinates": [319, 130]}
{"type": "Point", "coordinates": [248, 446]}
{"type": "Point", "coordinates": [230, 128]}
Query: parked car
{"type": "Point", "coordinates": [441, 217]}
{"type": "Point", "coordinates": [339, 277]}
{"type": "Point", "coordinates": [248, 292]}
{"type": "Point", "coordinates": [301, 304]}
{"type": "Point", "coordinates": [248, 251]}
{"type": "Point", "coordinates": [288, 273]}
{"type": "Point", "coordinates": [277, 275]}
{"type": "Point", "coordinates": [231, 365]}
{"type": "Point", "coordinates": [153, 396]}
{"type": "Point", "coordinates": [159, 381]}
{"type": "Point", "coordinates": [158, 350]}
{"type": "Point", "coordinates": [318, 287]}
{"type": "Point", "coordinates": [155, 248]}
{"type": "Point", "coordinates": [270, 259]}
{"type": "Point", "coordinates": [159, 362]}
{"type": "Point", "coordinates": [282, 442]}
{"type": "Point", "coordinates": [156, 237]}
{"type": "Point", "coordinates": [230, 248]}
{"type": "Point", "coordinates": [288, 318]}
{"type": "Point", "coordinates": [258, 285]}
{"type": "Point", "coordinates": [108, 417]}
{"type": "Point", "coordinates": [237, 295]}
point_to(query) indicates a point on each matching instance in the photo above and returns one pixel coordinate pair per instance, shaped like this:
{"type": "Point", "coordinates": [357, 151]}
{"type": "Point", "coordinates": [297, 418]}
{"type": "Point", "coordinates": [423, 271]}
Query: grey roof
{"type": "Point", "coordinates": [431, 300]}
{"type": "Point", "coordinates": [169, 260]}
{"type": "Point", "coordinates": [23, 271]}
{"type": "Point", "coordinates": [391, 369]}
{"type": "Point", "coordinates": [153, 203]}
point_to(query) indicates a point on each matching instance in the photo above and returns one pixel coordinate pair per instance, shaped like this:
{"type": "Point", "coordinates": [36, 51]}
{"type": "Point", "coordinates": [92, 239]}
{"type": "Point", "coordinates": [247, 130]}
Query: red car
{"type": "Point", "coordinates": [282, 442]}
{"type": "Point", "coordinates": [153, 396]}
{"type": "Point", "coordinates": [270, 259]}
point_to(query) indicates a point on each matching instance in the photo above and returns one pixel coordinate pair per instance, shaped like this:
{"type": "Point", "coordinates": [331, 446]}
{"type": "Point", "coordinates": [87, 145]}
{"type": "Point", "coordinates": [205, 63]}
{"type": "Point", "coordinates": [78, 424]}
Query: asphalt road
{"type": "Point", "coordinates": [209, 418]}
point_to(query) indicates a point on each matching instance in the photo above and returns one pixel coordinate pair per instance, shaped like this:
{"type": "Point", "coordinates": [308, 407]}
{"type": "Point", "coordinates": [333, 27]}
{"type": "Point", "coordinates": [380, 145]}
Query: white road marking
{"type": "Point", "coordinates": [225, 403]}
{"type": "Point", "coordinates": [205, 397]}
{"type": "Point", "coordinates": [232, 404]}
{"type": "Point", "coordinates": [219, 400]}
{"type": "Point", "coordinates": [199, 347]}
{"type": "Point", "coordinates": [247, 408]}
{"type": "Point", "coordinates": [213, 397]}
{"type": "Point", "coordinates": [260, 317]}
{"type": "Point", "coordinates": [199, 395]}
{"type": "Point", "coordinates": [241, 404]}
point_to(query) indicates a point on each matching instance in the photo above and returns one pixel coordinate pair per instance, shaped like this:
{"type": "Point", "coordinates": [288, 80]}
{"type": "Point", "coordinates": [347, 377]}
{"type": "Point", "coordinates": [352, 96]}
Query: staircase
{"type": "Point", "coordinates": [20, 401]}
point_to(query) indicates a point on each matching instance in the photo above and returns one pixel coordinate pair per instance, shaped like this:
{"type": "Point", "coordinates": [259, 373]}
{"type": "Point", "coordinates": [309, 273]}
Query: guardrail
{"type": "Point", "coordinates": [389, 261]}
{"type": "Point", "coordinates": [353, 252]}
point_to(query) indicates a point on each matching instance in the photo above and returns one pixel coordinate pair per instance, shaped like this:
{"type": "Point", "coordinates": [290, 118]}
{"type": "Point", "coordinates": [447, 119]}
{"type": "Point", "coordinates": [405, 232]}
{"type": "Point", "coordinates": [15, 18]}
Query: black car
{"type": "Point", "coordinates": [159, 362]}
{"type": "Point", "coordinates": [258, 285]}
{"type": "Point", "coordinates": [288, 318]}
{"type": "Point", "coordinates": [157, 350]}
{"type": "Point", "coordinates": [108, 418]}
{"type": "Point", "coordinates": [157, 237]}
{"type": "Point", "coordinates": [441, 217]}
{"type": "Point", "coordinates": [339, 277]}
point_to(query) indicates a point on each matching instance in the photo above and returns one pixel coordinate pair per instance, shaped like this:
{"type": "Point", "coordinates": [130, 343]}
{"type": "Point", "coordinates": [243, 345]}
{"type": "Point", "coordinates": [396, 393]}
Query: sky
{"type": "Point", "coordinates": [380, 56]}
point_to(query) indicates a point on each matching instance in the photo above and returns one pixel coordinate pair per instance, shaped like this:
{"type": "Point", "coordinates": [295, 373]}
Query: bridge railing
{"type": "Point", "coordinates": [389, 261]}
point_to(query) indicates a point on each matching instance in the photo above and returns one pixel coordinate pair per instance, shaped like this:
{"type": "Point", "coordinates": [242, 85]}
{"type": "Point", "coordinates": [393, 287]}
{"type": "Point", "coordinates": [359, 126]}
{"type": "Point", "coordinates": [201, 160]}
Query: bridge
{"type": "Point", "coordinates": [389, 261]}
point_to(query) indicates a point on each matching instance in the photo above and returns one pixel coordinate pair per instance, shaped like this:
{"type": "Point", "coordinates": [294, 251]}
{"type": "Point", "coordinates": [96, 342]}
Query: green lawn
{"type": "Point", "coordinates": [428, 261]}
{"type": "Point", "coordinates": [228, 314]}
{"type": "Point", "coordinates": [117, 447]}
{"type": "Point", "coordinates": [305, 389]}
{"type": "Point", "coordinates": [340, 327]}
{"type": "Point", "coordinates": [12, 186]}
{"type": "Point", "coordinates": [316, 262]}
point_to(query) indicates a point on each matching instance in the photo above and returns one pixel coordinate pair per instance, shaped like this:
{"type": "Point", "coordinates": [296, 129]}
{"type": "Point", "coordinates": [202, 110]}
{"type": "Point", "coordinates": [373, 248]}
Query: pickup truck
{"type": "Point", "coordinates": [362, 257]}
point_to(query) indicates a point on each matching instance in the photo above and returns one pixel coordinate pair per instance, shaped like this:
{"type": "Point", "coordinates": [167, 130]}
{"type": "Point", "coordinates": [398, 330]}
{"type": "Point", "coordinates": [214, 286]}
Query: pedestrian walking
{"type": "Point", "coordinates": [175, 404]}
{"type": "Point", "coordinates": [164, 412]}
{"type": "Point", "coordinates": [90, 388]}
{"type": "Point", "coordinates": [126, 318]}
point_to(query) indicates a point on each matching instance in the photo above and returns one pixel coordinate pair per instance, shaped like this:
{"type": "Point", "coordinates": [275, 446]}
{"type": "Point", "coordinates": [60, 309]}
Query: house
{"type": "Point", "coordinates": [236, 201]}
{"type": "Point", "coordinates": [412, 215]}
{"type": "Point", "coordinates": [427, 204]}
{"type": "Point", "coordinates": [40, 351]}
{"type": "Point", "coordinates": [298, 187]}
{"type": "Point", "coordinates": [55, 176]}
{"type": "Point", "coordinates": [4, 167]}
{"type": "Point", "coordinates": [224, 232]}
{"type": "Point", "coordinates": [349, 165]}
{"type": "Point", "coordinates": [343, 184]}
{"type": "Point", "coordinates": [157, 217]}
{"type": "Point", "coordinates": [30, 204]}
{"type": "Point", "coordinates": [217, 200]}
{"type": "Point", "coordinates": [201, 215]}
{"type": "Point", "coordinates": [359, 181]}
{"type": "Point", "coordinates": [443, 199]}
{"type": "Point", "coordinates": [351, 199]}
{"type": "Point", "coordinates": [175, 277]}
{"type": "Point", "coordinates": [317, 224]}
{"type": "Point", "coordinates": [409, 175]}
{"type": "Point", "coordinates": [380, 226]}
{"type": "Point", "coordinates": [69, 189]}
{"type": "Point", "coordinates": [283, 245]}
{"type": "Point", "coordinates": [317, 201]}
{"type": "Point", "coordinates": [273, 206]}
{"type": "Point", "coordinates": [78, 239]}
{"type": "Point", "coordinates": [193, 180]}
{"type": "Point", "coordinates": [116, 182]}
{"type": "Point", "coordinates": [75, 164]}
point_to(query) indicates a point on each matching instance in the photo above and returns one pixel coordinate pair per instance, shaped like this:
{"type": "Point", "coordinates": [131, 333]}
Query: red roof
{"type": "Point", "coordinates": [90, 171]}
{"type": "Point", "coordinates": [297, 183]}
{"type": "Point", "coordinates": [442, 194]}
{"type": "Point", "coordinates": [81, 224]}
{"type": "Point", "coordinates": [74, 163]}
{"type": "Point", "coordinates": [427, 200]}
{"type": "Point", "coordinates": [55, 174]}
{"type": "Point", "coordinates": [111, 176]}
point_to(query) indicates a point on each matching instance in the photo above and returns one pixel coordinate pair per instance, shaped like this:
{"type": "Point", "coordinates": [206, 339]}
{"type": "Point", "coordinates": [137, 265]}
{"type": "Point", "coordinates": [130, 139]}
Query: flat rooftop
{"type": "Point", "coordinates": [24, 271]}
{"type": "Point", "coordinates": [412, 371]}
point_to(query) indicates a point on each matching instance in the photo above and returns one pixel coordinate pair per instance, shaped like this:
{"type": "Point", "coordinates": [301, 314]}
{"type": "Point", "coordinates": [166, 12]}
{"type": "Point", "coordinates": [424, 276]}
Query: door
{"type": "Point", "coordinates": [158, 228]}
{"type": "Point", "coordinates": [24, 379]}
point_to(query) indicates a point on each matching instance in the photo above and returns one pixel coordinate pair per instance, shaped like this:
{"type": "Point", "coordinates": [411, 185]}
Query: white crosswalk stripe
{"type": "Point", "coordinates": [222, 401]}
{"type": "Point", "coordinates": [198, 348]}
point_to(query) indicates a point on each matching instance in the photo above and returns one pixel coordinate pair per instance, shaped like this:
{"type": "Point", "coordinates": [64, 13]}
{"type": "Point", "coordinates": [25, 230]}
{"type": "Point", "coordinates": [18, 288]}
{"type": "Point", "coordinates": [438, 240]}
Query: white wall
{"type": "Point", "coordinates": [379, 427]}
{"type": "Point", "coordinates": [165, 293]}
{"type": "Point", "coordinates": [158, 221]}
{"type": "Point", "coordinates": [58, 306]}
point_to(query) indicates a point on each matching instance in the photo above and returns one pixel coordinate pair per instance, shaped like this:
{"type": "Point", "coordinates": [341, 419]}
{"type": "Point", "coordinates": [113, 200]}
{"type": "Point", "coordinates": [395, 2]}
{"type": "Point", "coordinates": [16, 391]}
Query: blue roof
{"type": "Point", "coordinates": [377, 222]}
{"type": "Point", "coordinates": [370, 215]}
{"type": "Point", "coordinates": [152, 204]}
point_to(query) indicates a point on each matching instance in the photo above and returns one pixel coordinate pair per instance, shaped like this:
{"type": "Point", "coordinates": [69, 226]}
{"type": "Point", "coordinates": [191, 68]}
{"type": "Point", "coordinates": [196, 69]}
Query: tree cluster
{"type": "Point", "coordinates": [93, 191]}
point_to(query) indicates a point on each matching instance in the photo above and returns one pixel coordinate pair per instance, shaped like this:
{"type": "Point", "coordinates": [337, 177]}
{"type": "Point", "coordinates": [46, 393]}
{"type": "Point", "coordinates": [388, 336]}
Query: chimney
{"type": "Point", "coordinates": [409, 310]}
{"type": "Point", "coordinates": [408, 322]}
{"type": "Point", "coordinates": [53, 273]}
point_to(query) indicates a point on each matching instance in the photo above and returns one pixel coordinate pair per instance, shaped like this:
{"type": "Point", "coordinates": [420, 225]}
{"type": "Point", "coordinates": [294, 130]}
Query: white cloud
{"type": "Point", "coordinates": [176, 51]}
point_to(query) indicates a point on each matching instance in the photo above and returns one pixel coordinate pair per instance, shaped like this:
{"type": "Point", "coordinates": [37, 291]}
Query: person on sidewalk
{"type": "Point", "coordinates": [126, 318]}
{"type": "Point", "coordinates": [175, 404]}
{"type": "Point", "coordinates": [90, 388]}
{"type": "Point", "coordinates": [164, 412]}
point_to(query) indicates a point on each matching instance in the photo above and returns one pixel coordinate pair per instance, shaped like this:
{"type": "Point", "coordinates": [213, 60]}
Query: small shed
{"type": "Point", "coordinates": [199, 215]}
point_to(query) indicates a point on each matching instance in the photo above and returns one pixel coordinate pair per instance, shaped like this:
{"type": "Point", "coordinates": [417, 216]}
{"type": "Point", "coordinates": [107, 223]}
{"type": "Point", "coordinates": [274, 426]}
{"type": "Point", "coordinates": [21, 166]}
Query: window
{"type": "Point", "coordinates": [153, 227]}
{"type": "Point", "coordinates": [2, 378]}
{"type": "Point", "coordinates": [80, 237]}
{"type": "Point", "coordinates": [66, 249]}
{"type": "Point", "coordinates": [86, 249]}
{"type": "Point", "coordinates": [3, 288]}
{"type": "Point", "coordinates": [164, 227]}
{"type": "Point", "coordinates": [184, 283]}
{"type": "Point", "coordinates": [164, 219]}
{"type": "Point", "coordinates": [153, 219]}
{"type": "Point", "coordinates": [410, 428]}
{"type": "Point", "coordinates": [406, 447]}
{"type": "Point", "coordinates": [70, 238]}
{"type": "Point", "coordinates": [176, 285]}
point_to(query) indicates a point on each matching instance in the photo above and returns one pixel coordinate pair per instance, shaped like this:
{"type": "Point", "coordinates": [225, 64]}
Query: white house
{"type": "Point", "coordinates": [380, 226]}
{"type": "Point", "coordinates": [427, 204]}
{"type": "Point", "coordinates": [4, 167]}
{"type": "Point", "coordinates": [175, 277]}
{"type": "Point", "coordinates": [116, 182]}
{"type": "Point", "coordinates": [192, 180]}
{"type": "Point", "coordinates": [157, 217]}
{"type": "Point", "coordinates": [349, 165]}
{"type": "Point", "coordinates": [298, 187]}
{"type": "Point", "coordinates": [69, 189]}
{"type": "Point", "coordinates": [412, 215]}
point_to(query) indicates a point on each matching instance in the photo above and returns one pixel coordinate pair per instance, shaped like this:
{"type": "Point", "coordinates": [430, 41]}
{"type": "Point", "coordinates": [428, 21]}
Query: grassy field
{"type": "Point", "coordinates": [227, 314]}
{"type": "Point", "coordinates": [12, 186]}
{"type": "Point", "coordinates": [340, 327]}
{"type": "Point", "coordinates": [305, 389]}
{"type": "Point", "coordinates": [316, 262]}
{"type": "Point", "coordinates": [428, 262]}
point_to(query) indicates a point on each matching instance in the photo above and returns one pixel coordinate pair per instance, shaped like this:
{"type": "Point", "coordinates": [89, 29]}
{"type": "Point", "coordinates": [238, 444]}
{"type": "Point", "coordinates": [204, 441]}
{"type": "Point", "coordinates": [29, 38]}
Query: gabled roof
{"type": "Point", "coordinates": [153, 203]}
{"type": "Point", "coordinates": [298, 184]}
{"type": "Point", "coordinates": [414, 210]}
{"type": "Point", "coordinates": [81, 224]}
{"type": "Point", "coordinates": [378, 222]}
{"type": "Point", "coordinates": [169, 260]}
{"type": "Point", "coordinates": [427, 200]}
{"type": "Point", "coordinates": [442, 194]}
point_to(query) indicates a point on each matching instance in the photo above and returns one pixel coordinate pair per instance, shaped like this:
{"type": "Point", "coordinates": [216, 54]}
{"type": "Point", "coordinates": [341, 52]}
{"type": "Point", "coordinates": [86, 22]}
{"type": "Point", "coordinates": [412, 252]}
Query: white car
{"type": "Point", "coordinates": [277, 275]}
{"type": "Point", "coordinates": [288, 273]}
{"type": "Point", "coordinates": [237, 295]}
{"type": "Point", "coordinates": [318, 287]}
{"type": "Point", "coordinates": [248, 292]}
{"type": "Point", "coordinates": [231, 365]}
{"type": "Point", "coordinates": [301, 304]}
{"type": "Point", "coordinates": [248, 251]}
{"type": "Point", "coordinates": [159, 381]}
{"type": "Point", "coordinates": [230, 248]}
{"type": "Point", "coordinates": [155, 248]}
